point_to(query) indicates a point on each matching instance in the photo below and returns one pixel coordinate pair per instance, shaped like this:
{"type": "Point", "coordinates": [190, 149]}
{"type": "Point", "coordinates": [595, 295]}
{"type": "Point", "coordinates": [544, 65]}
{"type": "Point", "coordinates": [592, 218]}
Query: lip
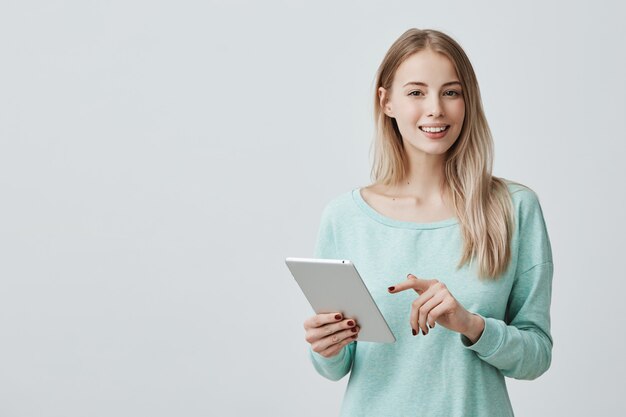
{"type": "Point", "coordinates": [434, 125]}
{"type": "Point", "coordinates": [435, 135]}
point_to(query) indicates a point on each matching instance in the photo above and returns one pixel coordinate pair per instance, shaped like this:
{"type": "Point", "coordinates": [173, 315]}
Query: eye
{"type": "Point", "coordinates": [455, 93]}
{"type": "Point", "coordinates": [416, 91]}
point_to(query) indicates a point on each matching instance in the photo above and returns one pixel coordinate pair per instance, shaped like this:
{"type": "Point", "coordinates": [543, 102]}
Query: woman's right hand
{"type": "Point", "coordinates": [329, 333]}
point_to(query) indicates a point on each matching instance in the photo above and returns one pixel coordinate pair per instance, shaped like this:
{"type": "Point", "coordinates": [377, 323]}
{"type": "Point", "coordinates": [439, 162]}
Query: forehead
{"type": "Point", "coordinates": [426, 66]}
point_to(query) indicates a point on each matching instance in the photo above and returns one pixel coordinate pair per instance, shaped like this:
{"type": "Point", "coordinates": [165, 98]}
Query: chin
{"type": "Point", "coordinates": [430, 147]}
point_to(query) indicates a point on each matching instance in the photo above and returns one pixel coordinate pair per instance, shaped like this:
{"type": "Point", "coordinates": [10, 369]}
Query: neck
{"type": "Point", "coordinates": [425, 179]}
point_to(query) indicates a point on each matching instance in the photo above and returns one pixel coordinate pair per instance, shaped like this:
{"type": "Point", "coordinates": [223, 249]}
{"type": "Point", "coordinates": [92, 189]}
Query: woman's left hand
{"type": "Point", "coordinates": [435, 304]}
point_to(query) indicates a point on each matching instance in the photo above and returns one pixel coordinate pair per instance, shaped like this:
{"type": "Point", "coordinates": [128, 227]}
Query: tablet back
{"type": "Point", "coordinates": [334, 285]}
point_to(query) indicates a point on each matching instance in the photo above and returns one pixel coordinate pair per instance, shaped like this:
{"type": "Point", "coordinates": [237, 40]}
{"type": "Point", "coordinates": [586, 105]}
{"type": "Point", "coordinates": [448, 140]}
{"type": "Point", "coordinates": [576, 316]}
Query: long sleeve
{"type": "Point", "coordinates": [338, 366]}
{"type": "Point", "coordinates": [521, 349]}
{"type": "Point", "coordinates": [521, 345]}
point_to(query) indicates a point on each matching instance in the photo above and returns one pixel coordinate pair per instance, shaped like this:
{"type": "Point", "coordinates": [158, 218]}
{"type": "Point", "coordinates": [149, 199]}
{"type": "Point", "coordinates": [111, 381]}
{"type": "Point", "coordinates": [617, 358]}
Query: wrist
{"type": "Point", "coordinates": [475, 328]}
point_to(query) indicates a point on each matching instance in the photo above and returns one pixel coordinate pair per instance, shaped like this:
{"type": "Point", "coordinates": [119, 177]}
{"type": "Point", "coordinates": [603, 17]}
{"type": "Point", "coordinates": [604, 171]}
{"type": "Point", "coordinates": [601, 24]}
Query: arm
{"type": "Point", "coordinates": [335, 367]}
{"type": "Point", "coordinates": [521, 349]}
{"type": "Point", "coordinates": [521, 346]}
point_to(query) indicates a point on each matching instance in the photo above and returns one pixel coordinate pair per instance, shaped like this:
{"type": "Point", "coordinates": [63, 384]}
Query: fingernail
{"type": "Point", "coordinates": [354, 337]}
{"type": "Point", "coordinates": [338, 317]}
{"type": "Point", "coordinates": [429, 326]}
{"type": "Point", "coordinates": [353, 329]}
{"type": "Point", "coordinates": [391, 288]}
{"type": "Point", "coordinates": [350, 323]}
{"type": "Point", "coordinates": [414, 332]}
{"type": "Point", "coordinates": [408, 275]}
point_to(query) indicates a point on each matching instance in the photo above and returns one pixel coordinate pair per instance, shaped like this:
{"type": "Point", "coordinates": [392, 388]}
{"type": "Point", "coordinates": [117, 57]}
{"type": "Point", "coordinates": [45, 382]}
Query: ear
{"type": "Point", "coordinates": [383, 99]}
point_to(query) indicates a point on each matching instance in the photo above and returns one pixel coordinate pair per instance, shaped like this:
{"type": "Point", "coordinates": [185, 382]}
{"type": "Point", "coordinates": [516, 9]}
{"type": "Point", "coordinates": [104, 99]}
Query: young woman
{"type": "Point", "coordinates": [458, 261]}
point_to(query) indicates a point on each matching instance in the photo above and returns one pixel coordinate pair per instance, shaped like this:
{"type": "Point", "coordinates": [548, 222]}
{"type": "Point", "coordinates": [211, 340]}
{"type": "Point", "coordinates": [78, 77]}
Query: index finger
{"type": "Point", "coordinates": [319, 320]}
{"type": "Point", "coordinates": [412, 282]}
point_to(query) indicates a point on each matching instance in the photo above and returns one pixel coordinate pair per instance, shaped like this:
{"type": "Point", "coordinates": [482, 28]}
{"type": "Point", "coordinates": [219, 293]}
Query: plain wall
{"type": "Point", "coordinates": [159, 160]}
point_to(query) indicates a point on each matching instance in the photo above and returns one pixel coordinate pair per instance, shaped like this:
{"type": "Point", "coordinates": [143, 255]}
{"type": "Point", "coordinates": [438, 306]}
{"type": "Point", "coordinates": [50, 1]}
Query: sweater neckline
{"type": "Point", "coordinates": [371, 212]}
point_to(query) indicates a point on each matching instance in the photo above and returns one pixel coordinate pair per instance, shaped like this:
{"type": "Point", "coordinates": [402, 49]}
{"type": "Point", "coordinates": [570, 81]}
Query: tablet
{"type": "Point", "coordinates": [334, 285]}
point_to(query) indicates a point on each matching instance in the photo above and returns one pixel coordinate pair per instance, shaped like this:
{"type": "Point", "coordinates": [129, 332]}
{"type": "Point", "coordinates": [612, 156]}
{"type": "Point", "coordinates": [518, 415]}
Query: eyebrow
{"type": "Point", "coordinates": [426, 85]}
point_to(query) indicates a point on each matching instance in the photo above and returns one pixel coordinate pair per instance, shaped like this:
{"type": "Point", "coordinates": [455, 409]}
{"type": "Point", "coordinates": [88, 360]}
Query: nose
{"type": "Point", "coordinates": [436, 108]}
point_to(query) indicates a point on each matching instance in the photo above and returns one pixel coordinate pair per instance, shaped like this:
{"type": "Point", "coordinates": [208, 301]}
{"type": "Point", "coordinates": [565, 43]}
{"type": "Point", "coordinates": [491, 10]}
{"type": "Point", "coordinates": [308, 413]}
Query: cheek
{"type": "Point", "coordinates": [457, 110]}
{"type": "Point", "coordinates": [412, 113]}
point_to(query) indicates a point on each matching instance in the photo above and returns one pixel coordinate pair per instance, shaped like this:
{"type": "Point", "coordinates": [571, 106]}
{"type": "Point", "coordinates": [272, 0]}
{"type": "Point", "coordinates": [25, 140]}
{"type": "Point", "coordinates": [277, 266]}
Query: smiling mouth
{"type": "Point", "coordinates": [434, 129]}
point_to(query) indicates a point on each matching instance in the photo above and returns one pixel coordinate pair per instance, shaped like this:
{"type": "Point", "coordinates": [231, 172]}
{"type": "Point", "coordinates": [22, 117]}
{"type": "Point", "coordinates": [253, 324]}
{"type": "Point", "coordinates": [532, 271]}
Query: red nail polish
{"type": "Point", "coordinates": [353, 329]}
{"type": "Point", "coordinates": [338, 317]}
{"type": "Point", "coordinates": [350, 323]}
{"type": "Point", "coordinates": [414, 332]}
{"type": "Point", "coordinates": [391, 288]}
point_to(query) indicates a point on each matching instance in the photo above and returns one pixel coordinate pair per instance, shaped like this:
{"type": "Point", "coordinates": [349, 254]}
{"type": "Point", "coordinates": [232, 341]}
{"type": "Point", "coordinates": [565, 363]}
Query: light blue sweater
{"type": "Point", "coordinates": [441, 373]}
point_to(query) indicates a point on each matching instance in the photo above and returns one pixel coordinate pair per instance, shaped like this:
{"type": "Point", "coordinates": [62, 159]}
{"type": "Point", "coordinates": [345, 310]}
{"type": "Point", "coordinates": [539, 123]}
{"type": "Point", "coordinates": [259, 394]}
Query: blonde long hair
{"type": "Point", "coordinates": [482, 202]}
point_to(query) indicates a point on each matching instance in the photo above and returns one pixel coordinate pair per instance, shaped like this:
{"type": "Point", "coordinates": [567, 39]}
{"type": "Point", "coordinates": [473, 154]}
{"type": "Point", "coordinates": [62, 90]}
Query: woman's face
{"type": "Point", "coordinates": [426, 92]}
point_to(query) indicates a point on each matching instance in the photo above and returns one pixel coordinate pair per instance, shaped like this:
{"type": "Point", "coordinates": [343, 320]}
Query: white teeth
{"type": "Point", "coordinates": [434, 129]}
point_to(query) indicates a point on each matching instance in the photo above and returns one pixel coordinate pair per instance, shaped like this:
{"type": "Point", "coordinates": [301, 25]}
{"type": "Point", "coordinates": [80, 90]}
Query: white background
{"type": "Point", "coordinates": [159, 160]}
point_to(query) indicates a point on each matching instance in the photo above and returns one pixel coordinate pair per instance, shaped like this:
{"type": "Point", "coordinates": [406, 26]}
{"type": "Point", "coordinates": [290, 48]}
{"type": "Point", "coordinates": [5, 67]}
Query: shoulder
{"type": "Point", "coordinates": [531, 230]}
{"type": "Point", "coordinates": [376, 190]}
{"type": "Point", "coordinates": [524, 198]}
{"type": "Point", "coordinates": [339, 205]}
{"type": "Point", "coordinates": [527, 208]}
